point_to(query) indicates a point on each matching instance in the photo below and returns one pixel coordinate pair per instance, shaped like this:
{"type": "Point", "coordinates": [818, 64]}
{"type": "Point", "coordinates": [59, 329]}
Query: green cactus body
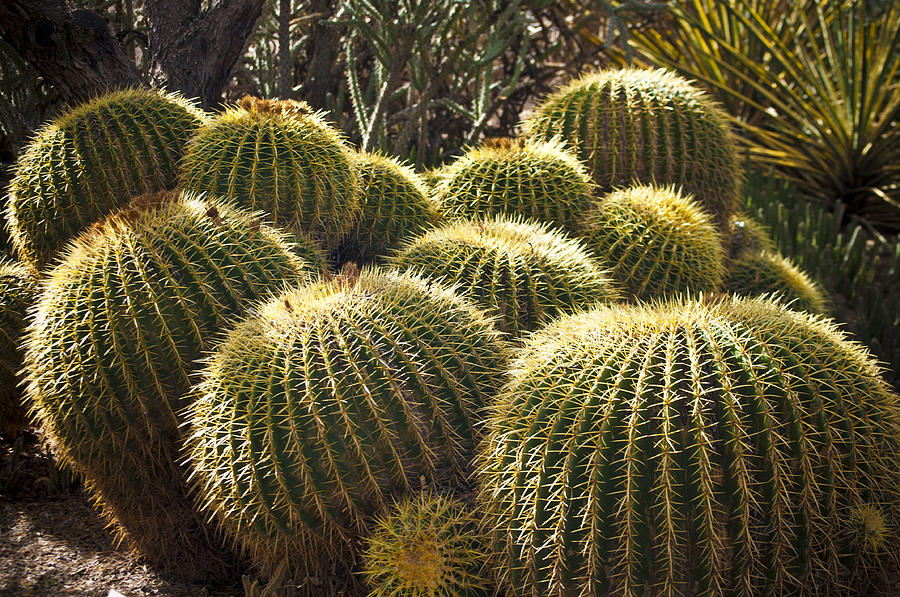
{"type": "Point", "coordinates": [656, 241]}
{"type": "Point", "coordinates": [279, 157]}
{"type": "Point", "coordinates": [90, 162]}
{"type": "Point", "coordinates": [331, 403]}
{"type": "Point", "coordinates": [17, 289]}
{"type": "Point", "coordinates": [688, 448]}
{"type": "Point", "coordinates": [396, 203]}
{"type": "Point", "coordinates": [112, 345]}
{"type": "Point", "coordinates": [755, 273]}
{"type": "Point", "coordinates": [524, 273]}
{"type": "Point", "coordinates": [429, 546]}
{"type": "Point", "coordinates": [746, 234]}
{"type": "Point", "coordinates": [633, 126]}
{"type": "Point", "coordinates": [532, 179]}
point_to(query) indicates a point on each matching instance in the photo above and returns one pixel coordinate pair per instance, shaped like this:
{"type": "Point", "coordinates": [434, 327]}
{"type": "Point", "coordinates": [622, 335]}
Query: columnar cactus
{"type": "Point", "coordinates": [112, 346]}
{"type": "Point", "coordinates": [430, 546]}
{"type": "Point", "coordinates": [688, 449]}
{"type": "Point", "coordinates": [755, 273]}
{"type": "Point", "coordinates": [395, 203]}
{"type": "Point", "coordinates": [17, 289]}
{"type": "Point", "coordinates": [332, 402]}
{"type": "Point", "coordinates": [533, 179]}
{"type": "Point", "coordinates": [523, 272]}
{"type": "Point", "coordinates": [279, 157]}
{"type": "Point", "coordinates": [91, 161]}
{"type": "Point", "coordinates": [633, 126]}
{"type": "Point", "coordinates": [656, 242]}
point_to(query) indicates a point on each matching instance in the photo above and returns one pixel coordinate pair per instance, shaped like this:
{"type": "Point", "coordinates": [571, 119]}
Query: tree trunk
{"type": "Point", "coordinates": [324, 46]}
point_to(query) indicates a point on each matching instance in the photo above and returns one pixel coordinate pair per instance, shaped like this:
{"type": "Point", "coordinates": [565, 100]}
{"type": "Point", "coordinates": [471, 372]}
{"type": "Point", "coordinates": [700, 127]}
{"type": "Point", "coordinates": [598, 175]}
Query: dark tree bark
{"type": "Point", "coordinates": [193, 51]}
{"type": "Point", "coordinates": [324, 48]}
{"type": "Point", "coordinates": [74, 51]}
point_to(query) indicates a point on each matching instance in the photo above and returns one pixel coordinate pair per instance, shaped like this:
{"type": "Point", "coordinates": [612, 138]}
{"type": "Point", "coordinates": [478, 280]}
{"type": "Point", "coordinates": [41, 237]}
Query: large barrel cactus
{"type": "Point", "coordinates": [523, 272]}
{"type": "Point", "coordinates": [656, 242]}
{"type": "Point", "coordinates": [633, 126]}
{"type": "Point", "coordinates": [280, 157]}
{"type": "Point", "coordinates": [718, 448]}
{"type": "Point", "coordinates": [112, 345]}
{"type": "Point", "coordinates": [754, 273]}
{"type": "Point", "coordinates": [17, 289]}
{"type": "Point", "coordinates": [91, 161]}
{"type": "Point", "coordinates": [532, 179]}
{"type": "Point", "coordinates": [332, 402]}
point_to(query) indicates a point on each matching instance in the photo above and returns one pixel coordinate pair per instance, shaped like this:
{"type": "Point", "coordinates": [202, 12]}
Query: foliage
{"type": "Point", "coordinates": [18, 285]}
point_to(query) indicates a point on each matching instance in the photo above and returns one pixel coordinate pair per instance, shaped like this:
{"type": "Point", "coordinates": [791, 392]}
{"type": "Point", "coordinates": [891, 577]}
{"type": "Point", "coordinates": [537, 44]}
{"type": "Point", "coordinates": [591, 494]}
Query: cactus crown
{"type": "Point", "coordinates": [285, 108]}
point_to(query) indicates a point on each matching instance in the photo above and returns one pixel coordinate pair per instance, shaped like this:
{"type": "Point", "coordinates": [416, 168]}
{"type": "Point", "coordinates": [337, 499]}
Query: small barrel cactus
{"type": "Point", "coordinates": [395, 203]}
{"type": "Point", "coordinates": [330, 403]}
{"type": "Point", "coordinates": [634, 126]}
{"type": "Point", "coordinates": [755, 273]}
{"type": "Point", "coordinates": [689, 448]}
{"type": "Point", "coordinates": [525, 273]}
{"type": "Point", "coordinates": [746, 234]}
{"type": "Point", "coordinates": [112, 346]}
{"type": "Point", "coordinates": [533, 179]}
{"type": "Point", "coordinates": [279, 157]}
{"type": "Point", "coordinates": [91, 161]}
{"type": "Point", "coordinates": [656, 242]}
{"type": "Point", "coordinates": [429, 546]}
{"type": "Point", "coordinates": [18, 284]}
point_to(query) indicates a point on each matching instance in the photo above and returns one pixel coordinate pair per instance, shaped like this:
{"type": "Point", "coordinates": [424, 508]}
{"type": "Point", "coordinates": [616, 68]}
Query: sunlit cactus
{"type": "Point", "coordinates": [523, 272]}
{"type": "Point", "coordinates": [688, 448]}
{"type": "Point", "coordinates": [634, 126]}
{"type": "Point", "coordinates": [17, 289]}
{"type": "Point", "coordinates": [656, 242]}
{"type": "Point", "coordinates": [280, 157]}
{"type": "Point", "coordinates": [91, 161]}
{"type": "Point", "coordinates": [755, 273]}
{"type": "Point", "coordinates": [332, 402]}
{"type": "Point", "coordinates": [429, 546]}
{"type": "Point", "coordinates": [113, 343]}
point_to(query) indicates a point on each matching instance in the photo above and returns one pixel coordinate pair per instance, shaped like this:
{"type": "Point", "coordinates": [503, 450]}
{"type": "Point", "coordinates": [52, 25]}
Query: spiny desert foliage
{"type": "Point", "coordinates": [755, 273]}
{"type": "Point", "coordinates": [18, 284]}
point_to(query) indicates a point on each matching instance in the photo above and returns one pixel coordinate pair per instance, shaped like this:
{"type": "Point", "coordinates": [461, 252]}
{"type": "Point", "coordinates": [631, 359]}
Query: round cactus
{"type": "Point", "coordinates": [331, 403]}
{"type": "Point", "coordinates": [755, 273]}
{"type": "Point", "coordinates": [687, 448]}
{"type": "Point", "coordinates": [279, 157]}
{"type": "Point", "coordinates": [395, 203]}
{"type": "Point", "coordinates": [112, 345]}
{"type": "Point", "coordinates": [91, 161]}
{"type": "Point", "coordinates": [633, 126]}
{"type": "Point", "coordinates": [656, 241]}
{"type": "Point", "coordinates": [523, 272]}
{"type": "Point", "coordinates": [746, 234]}
{"type": "Point", "coordinates": [533, 179]}
{"type": "Point", "coordinates": [430, 546]}
{"type": "Point", "coordinates": [17, 289]}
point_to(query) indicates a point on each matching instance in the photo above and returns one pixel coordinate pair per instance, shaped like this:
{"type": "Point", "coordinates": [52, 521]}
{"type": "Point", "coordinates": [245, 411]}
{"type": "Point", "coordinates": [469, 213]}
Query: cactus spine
{"type": "Point", "coordinates": [279, 157]}
{"type": "Point", "coordinates": [523, 272]}
{"type": "Point", "coordinates": [755, 273]}
{"type": "Point", "coordinates": [633, 126]}
{"type": "Point", "coordinates": [91, 161]}
{"type": "Point", "coordinates": [688, 448]}
{"type": "Point", "coordinates": [110, 350]}
{"type": "Point", "coordinates": [18, 283]}
{"type": "Point", "coordinates": [332, 402]}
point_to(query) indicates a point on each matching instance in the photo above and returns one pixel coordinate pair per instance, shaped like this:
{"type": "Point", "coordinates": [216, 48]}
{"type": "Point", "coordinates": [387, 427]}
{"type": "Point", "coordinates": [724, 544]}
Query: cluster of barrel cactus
{"type": "Point", "coordinates": [543, 368]}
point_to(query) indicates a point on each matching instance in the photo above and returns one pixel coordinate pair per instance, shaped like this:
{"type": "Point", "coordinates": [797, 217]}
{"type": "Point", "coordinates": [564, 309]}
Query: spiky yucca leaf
{"type": "Point", "coordinates": [755, 273]}
{"type": "Point", "coordinates": [523, 272]}
{"type": "Point", "coordinates": [687, 449]}
{"type": "Point", "coordinates": [656, 241]}
{"type": "Point", "coordinates": [113, 342]}
{"type": "Point", "coordinates": [429, 546]}
{"type": "Point", "coordinates": [18, 284]}
{"type": "Point", "coordinates": [280, 157]}
{"type": "Point", "coordinates": [395, 203]}
{"type": "Point", "coordinates": [329, 404]}
{"type": "Point", "coordinates": [91, 161]}
{"type": "Point", "coordinates": [634, 126]}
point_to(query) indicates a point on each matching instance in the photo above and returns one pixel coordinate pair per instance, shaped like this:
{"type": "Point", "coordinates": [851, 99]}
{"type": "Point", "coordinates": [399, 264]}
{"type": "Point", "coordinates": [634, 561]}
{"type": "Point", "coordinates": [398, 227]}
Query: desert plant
{"type": "Point", "coordinates": [17, 289]}
{"type": "Point", "coordinates": [524, 273]}
{"type": "Point", "coordinates": [746, 234]}
{"type": "Point", "coordinates": [633, 126]}
{"type": "Point", "coordinates": [715, 447]}
{"type": "Point", "coordinates": [533, 179]}
{"type": "Point", "coordinates": [90, 161]}
{"type": "Point", "coordinates": [330, 403]}
{"type": "Point", "coordinates": [280, 157]}
{"type": "Point", "coordinates": [754, 273]}
{"type": "Point", "coordinates": [113, 342]}
{"type": "Point", "coordinates": [656, 241]}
